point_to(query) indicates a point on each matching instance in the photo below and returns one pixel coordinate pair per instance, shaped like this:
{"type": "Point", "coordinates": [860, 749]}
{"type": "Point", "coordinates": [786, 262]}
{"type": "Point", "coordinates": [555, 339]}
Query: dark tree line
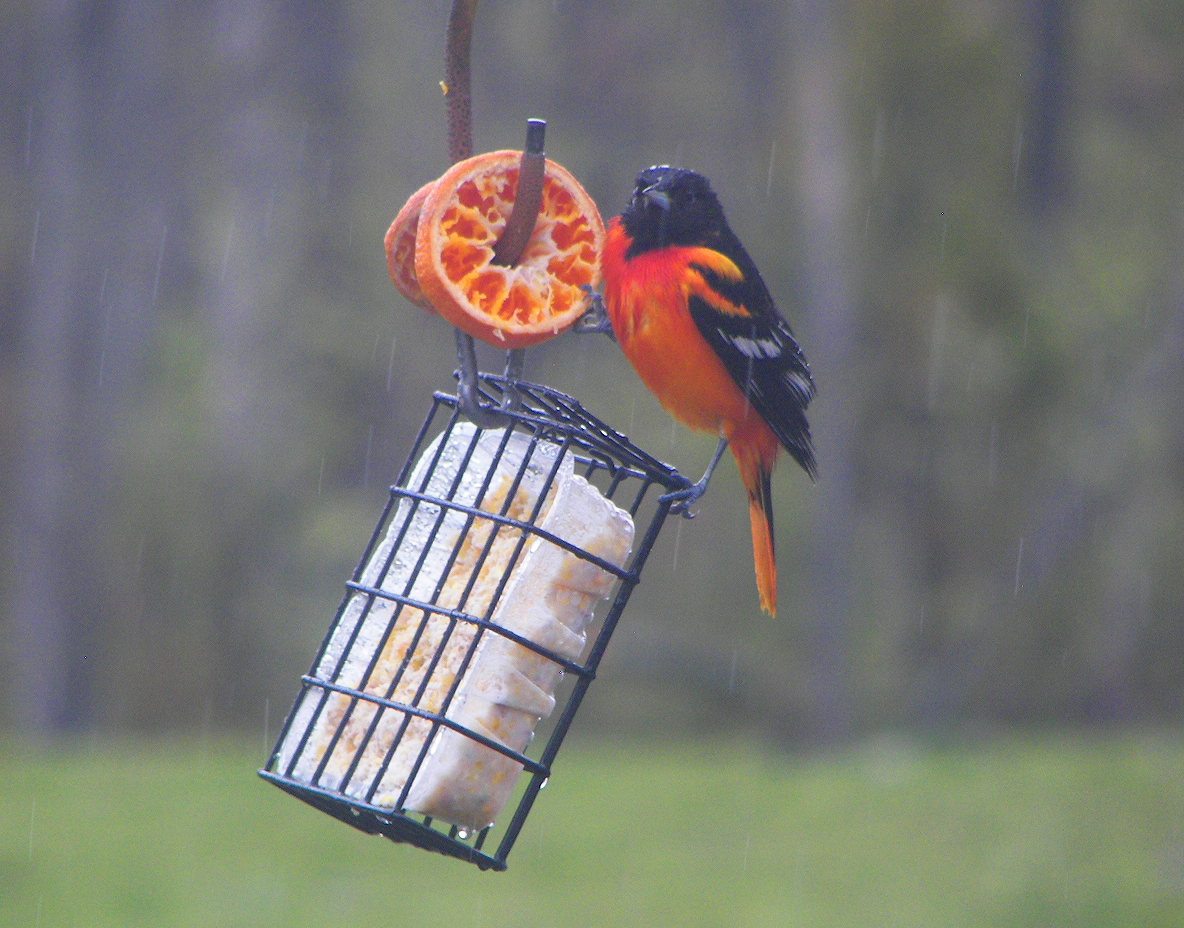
{"type": "Point", "coordinates": [970, 213]}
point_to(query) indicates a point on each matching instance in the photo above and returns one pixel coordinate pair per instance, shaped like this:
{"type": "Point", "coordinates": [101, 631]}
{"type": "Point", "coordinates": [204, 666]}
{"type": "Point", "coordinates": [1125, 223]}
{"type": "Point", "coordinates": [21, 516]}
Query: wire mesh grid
{"type": "Point", "coordinates": [386, 698]}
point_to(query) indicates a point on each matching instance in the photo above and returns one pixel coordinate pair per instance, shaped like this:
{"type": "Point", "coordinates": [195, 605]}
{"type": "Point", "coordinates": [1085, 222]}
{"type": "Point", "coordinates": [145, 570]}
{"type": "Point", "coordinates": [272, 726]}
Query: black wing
{"type": "Point", "coordinates": [760, 353]}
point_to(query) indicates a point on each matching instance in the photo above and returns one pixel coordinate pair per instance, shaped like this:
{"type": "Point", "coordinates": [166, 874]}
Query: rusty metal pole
{"type": "Point", "coordinates": [508, 249]}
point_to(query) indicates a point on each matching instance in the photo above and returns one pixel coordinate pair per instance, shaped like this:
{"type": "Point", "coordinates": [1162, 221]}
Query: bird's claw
{"type": "Point", "coordinates": [682, 500]}
{"type": "Point", "coordinates": [595, 320]}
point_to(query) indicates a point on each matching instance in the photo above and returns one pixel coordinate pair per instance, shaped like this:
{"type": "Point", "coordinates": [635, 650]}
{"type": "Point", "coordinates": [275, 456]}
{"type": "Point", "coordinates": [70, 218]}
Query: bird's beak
{"type": "Point", "coordinates": [660, 198]}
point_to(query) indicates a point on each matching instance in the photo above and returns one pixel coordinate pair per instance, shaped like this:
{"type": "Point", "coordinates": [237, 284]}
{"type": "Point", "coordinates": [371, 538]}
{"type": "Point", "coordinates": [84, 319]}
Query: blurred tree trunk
{"type": "Point", "coordinates": [826, 191]}
{"type": "Point", "coordinates": [284, 206]}
{"type": "Point", "coordinates": [175, 200]}
{"type": "Point", "coordinates": [1047, 171]}
{"type": "Point", "coordinates": [55, 591]}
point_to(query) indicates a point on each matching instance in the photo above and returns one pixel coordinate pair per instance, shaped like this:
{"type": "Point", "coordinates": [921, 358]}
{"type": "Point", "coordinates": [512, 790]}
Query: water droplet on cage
{"type": "Point", "coordinates": [543, 785]}
{"type": "Point", "coordinates": [463, 835]}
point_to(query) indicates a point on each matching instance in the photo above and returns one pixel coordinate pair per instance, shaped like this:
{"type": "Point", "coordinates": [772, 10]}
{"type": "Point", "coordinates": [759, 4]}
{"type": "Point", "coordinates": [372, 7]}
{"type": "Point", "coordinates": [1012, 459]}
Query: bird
{"type": "Point", "coordinates": [693, 316]}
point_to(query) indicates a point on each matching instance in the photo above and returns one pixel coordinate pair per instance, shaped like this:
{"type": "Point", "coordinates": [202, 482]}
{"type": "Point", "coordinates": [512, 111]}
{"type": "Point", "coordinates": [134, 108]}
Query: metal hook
{"type": "Point", "coordinates": [467, 389]}
{"type": "Point", "coordinates": [532, 167]}
{"type": "Point", "coordinates": [507, 251]}
{"type": "Point", "coordinates": [515, 362]}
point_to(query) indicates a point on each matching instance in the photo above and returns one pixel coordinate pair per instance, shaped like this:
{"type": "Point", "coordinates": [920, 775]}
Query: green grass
{"type": "Point", "coordinates": [1015, 831]}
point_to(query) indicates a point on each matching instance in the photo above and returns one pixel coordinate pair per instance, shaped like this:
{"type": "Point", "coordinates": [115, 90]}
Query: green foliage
{"type": "Point", "coordinates": [1001, 831]}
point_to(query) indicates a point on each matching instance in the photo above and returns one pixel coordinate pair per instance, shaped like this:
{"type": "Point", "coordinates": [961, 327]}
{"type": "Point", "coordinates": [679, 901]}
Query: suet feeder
{"type": "Point", "coordinates": [440, 652]}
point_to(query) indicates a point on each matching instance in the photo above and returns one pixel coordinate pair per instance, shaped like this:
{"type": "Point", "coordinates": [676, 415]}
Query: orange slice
{"type": "Point", "coordinates": [400, 249]}
{"type": "Point", "coordinates": [510, 307]}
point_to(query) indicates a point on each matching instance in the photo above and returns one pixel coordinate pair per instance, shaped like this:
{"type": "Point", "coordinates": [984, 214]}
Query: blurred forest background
{"type": "Point", "coordinates": [971, 212]}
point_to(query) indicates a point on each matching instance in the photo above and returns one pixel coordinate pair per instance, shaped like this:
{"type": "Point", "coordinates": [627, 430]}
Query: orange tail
{"type": "Point", "coordinates": [755, 457]}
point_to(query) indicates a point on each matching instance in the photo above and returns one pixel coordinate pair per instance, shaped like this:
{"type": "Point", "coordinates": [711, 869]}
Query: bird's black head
{"type": "Point", "coordinates": [672, 206]}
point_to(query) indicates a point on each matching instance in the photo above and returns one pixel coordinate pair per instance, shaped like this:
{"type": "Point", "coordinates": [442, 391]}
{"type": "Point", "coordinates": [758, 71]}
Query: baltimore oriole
{"type": "Point", "coordinates": [695, 319]}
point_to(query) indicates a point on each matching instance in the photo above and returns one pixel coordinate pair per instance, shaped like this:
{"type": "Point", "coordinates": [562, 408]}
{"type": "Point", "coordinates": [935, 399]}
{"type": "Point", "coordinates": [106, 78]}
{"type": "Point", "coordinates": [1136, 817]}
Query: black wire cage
{"type": "Point", "coordinates": [397, 729]}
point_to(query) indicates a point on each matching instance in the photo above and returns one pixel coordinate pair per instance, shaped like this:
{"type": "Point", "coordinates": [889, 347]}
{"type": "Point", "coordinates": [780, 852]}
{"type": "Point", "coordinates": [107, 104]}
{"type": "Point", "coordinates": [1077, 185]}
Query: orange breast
{"type": "Point", "coordinates": [646, 298]}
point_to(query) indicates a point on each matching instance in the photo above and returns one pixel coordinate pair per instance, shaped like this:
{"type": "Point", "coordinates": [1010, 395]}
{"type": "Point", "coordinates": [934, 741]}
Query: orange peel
{"type": "Point", "coordinates": [400, 249]}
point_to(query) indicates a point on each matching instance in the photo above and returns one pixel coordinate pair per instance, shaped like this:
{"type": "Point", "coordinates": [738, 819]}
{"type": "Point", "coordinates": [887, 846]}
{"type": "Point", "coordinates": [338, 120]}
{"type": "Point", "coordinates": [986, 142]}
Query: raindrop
{"type": "Point", "coordinates": [937, 343]}
{"type": "Point", "coordinates": [1019, 557]}
{"type": "Point", "coordinates": [390, 367]}
{"type": "Point", "coordinates": [747, 845]}
{"type": "Point", "coordinates": [772, 160]}
{"type": "Point", "coordinates": [29, 139]}
{"type": "Point", "coordinates": [992, 453]}
{"type": "Point", "coordinates": [1016, 148]}
{"type": "Point", "coordinates": [878, 142]}
{"type": "Point", "coordinates": [303, 143]}
{"type": "Point", "coordinates": [207, 727]}
{"type": "Point", "coordinates": [140, 556]}
{"type": "Point", "coordinates": [944, 229]}
{"type": "Point", "coordinates": [32, 819]}
{"type": "Point", "coordinates": [36, 229]}
{"type": "Point", "coordinates": [678, 155]}
{"type": "Point", "coordinates": [266, 712]}
{"type": "Point", "coordinates": [732, 672]}
{"type": "Point", "coordinates": [106, 328]}
{"type": "Point", "coordinates": [677, 543]}
{"type": "Point", "coordinates": [321, 476]}
{"type": "Point", "coordinates": [226, 254]}
{"type": "Point", "coordinates": [366, 465]}
{"type": "Point", "coordinates": [325, 175]}
{"type": "Point", "coordinates": [164, 234]}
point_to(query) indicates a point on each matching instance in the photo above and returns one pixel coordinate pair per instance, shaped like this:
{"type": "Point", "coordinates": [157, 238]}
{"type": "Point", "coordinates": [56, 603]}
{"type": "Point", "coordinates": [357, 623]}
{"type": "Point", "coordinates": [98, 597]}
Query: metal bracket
{"type": "Point", "coordinates": [507, 251]}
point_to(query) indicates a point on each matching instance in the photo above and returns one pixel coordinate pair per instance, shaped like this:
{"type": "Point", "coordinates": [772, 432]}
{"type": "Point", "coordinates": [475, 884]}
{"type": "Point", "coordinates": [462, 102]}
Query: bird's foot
{"type": "Point", "coordinates": [595, 319]}
{"type": "Point", "coordinates": [682, 500]}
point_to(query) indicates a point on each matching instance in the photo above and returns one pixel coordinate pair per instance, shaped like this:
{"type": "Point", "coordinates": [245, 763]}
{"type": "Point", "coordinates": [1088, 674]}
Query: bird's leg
{"type": "Point", "coordinates": [682, 499]}
{"type": "Point", "coordinates": [595, 319]}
